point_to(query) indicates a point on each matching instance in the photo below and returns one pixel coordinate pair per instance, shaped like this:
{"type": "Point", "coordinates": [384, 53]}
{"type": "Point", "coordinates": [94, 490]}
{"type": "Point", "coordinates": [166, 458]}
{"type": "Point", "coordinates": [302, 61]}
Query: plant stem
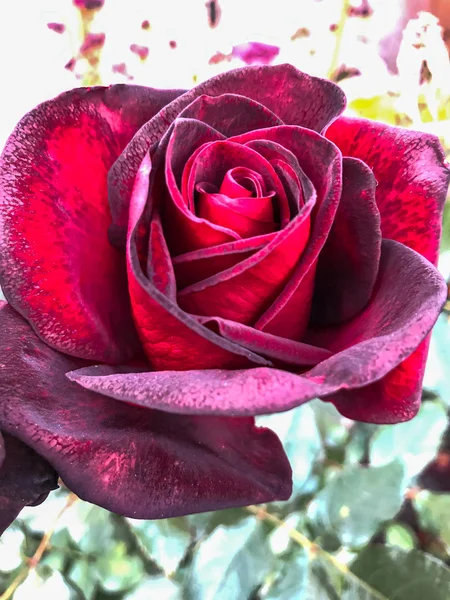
{"type": "Point", "coordinates": [339, 31]}
{"type": "Point", "coordinates": [32, 562]}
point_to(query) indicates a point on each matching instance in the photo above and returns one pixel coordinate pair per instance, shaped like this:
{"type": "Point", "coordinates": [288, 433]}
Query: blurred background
{"type": "Point", "coordinates": [370, 514]}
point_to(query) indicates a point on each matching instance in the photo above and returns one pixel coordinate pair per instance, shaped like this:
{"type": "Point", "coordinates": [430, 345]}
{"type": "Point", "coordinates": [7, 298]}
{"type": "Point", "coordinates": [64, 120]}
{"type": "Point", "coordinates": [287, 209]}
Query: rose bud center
{"type": "Point", "coordinates": [241, 204]}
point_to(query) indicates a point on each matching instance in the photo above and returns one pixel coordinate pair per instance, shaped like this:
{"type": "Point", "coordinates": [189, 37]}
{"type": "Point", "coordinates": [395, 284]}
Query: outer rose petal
{"type": "Point", "coordinates": [133, 461]}
{"type": "Point", "coordinates": [348, 263]}
{"type": "Point", "coordinates": [395, 397]}
{"type": "Point", "coordinates": [57, 267]}
{"type": "Point", "coordinates": [230, 114]}
{"type": "Point", "coordinates": [25, 479]}
{"type": "Point", "coordinates": [411, 175]}
{"type": "Point", "coordinates": [407, 300]}
{"type": "Point", "coordinates": [294, 97]}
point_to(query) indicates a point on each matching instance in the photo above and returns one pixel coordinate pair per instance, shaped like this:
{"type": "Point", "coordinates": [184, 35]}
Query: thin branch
{"type": "Point", "coordinates": [339, 32]}
{"type": "Point", "coordinates": [33, 562]}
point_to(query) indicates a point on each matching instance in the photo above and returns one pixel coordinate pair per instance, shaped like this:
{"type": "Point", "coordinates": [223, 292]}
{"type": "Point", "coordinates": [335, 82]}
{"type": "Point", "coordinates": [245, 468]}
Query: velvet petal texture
{"type": "Point", "coordinates": [57, 267]}
{"type": "Point", "coordinates": [407, 299]}
{"type": "Point", "coordinates": [411, 174]}
{"type": "Point", "coordinates": [133, 461]}
{"type": "Point", "coordinates": [172, 339]}
{"type": "Point", "coordinates": [294, 97]}
{"type": "Point", "coordinates": [25, 479]}
{"type": "Point", "coordinates": [412, 179]}
{"type": "Point", "coordinates": [348, 263]}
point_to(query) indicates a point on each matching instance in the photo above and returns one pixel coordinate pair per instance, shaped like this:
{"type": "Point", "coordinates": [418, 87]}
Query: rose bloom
{"type": "Point", "coordinates": [176, 263]}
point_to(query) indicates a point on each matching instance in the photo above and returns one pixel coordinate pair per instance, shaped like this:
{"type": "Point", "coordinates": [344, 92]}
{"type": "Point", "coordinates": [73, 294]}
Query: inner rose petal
{"type": "Point", "coordinates": [241, 182]}
{"type": "Point", "coordinates": [250, 200]}
{"type": "Point", "coordinates": [232, 213]}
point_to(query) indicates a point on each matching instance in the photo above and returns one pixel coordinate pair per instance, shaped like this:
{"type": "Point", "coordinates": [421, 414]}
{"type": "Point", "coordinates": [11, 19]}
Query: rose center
{"type": "Point", "coordinates": [241, 203]}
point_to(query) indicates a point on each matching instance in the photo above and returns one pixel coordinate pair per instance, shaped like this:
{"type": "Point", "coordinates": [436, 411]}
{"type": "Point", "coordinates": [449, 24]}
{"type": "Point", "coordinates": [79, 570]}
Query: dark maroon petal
{"type": "Point", "coordinates": [287, 168]}
{"type": "Point", "coordinates": [348, 263]}
{"type": "Point", "coordinates": [407, 299]}
{"type": "Point", "coordinates": [255, 53]}
{"type": "Point", "coordinates": [293, 96]}
{"type": "Point", "coordinates": [411, 175]}
{"type": "Point", "coordinates": [133, 461]}
{"type": "Point", "coordinates": [57, 267]}
{"type": "Point", "coordinates": [394, 398]}
{"type": "Point", "coordinates": [25, 478]}
{"type": "Point", "coordinates": [281, 351]}
{"type": "Point", "coordinates": [171, 338]}
{"type": "Point", "coordinates": [230, 114]}
{"type": "Point", "coordinates": [321, 164]}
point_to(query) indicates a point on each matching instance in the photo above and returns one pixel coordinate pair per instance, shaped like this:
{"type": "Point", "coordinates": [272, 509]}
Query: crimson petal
{"type": "Point", "coordinates": [133, 461]}
{"type": "Point", "coordinates": [230, 114]}
{"type": "Point", "coordinates": [200, 264]}
{"type": "Point", "coordinates": [25, 479]}
{"type": "Point", "coordinates": [295, 97]}
{"type": "Point", "coordinates": [394, 398]}
{"type": "Point", "coordinates": [57, 267]}
{"type": "Point", "coordinates": [171, 338]}
{"type": "Point", "coordinates": [411, 174]}
{"type": "Point", "coordinates": [321, 162]}
{"type": "Point", "coordinates": [348, 263]}
{"type": "Point", "coordinates": [406, 302]}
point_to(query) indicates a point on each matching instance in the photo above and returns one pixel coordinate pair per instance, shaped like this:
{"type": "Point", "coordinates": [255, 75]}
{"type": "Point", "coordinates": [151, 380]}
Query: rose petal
{"type": "Point", "coordinates": [25, 479]}
{"type": "Point", "coordinates": [394, 398]}
{"type": "Point", "coordinates": [133, 461]}
{"type": "Point", "coordinates": [185, 231]}
{"type": "Point", "coordinates": [243, 292]}
{"type": "Point", "coordinates": [57, 267]}
{"type": "Point", "coordinates": [170, 337]}
{"type": "Point", "coordinates": [217, 208]}
{"type": "Point", "coordinates": [293, 96]}
{"type": "Point", "coordinates": [348, 263]}
{"type": "Point", "coordinates": [407, 300]}
{"type": "Point", "coordinates": [201, 264]}
{"type": "Point", "coordinates": [411, 175]}
{"type": "Point", "coordinates": [208, 169]}
{"type": "Point", "coordinates": [321, 163]}
{"type": "Point", "coordinates": [255, 53]}
{"type": "Point", "coordinates": [282, 352]}
{"type": "Point", "coordinates": [230, 114]}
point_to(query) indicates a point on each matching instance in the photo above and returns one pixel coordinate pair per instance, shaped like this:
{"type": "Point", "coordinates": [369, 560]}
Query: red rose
{"type": "Point", "coordinates": [213, 255]}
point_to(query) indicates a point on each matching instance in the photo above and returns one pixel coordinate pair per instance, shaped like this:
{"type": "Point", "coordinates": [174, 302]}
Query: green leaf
{"type": "Point", "coordinates": [155, 587]}
{"type": "Point", "coordinates": [402, 575]}
{"type": "Point", "coordinates": [414, 442]}
{"type": "Point", "coordinates": [437, 373]}
{"type": "Point", "coordinates": [165, 541]}
{"type": "Point", "coordinates": [299, 578]}
{"type": "Point", "coordinates": [230, 563]}
{"type": "Point", "coordinates": [84, 576]}
{"type": "Point", "coordinates": [299, 434]}
{"type": "Point", "coordinates": [118, 570]}
{"type": "Point", "coordinates": [401, 536]}
{"type": "Point", "coordinates": [434, 513]}
{"type": "Point", "coordinates": [333, 427]}
{"type": "Point", "coordinates": [357, 501]}
{"type": "Point", "coordinates": [91, 528]}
